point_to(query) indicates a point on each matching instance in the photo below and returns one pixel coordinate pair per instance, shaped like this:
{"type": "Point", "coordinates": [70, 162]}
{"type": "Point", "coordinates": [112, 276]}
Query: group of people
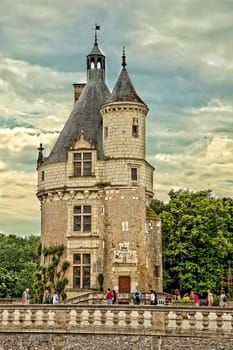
{"type": "Point", "coordinates": [111, 297]}
{"type": "Point", "coordinates": [222, 298]}
{"type": "Point", "coordinates": [47, 298]}
{"type": "Point", "coordinates": [194, 296]}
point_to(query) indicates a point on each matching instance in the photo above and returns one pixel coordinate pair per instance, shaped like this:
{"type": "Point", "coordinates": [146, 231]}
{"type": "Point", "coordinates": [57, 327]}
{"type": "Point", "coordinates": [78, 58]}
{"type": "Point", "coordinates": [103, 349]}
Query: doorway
{"type": "Point", "coordinates": [124, 284]}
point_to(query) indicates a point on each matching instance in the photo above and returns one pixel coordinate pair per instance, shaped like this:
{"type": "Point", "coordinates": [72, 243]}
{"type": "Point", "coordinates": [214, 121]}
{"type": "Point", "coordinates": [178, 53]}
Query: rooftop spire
{"type": "Point", "coordinates": [96, 28]}
{"type": "Point", "coordinates": [123, 58]}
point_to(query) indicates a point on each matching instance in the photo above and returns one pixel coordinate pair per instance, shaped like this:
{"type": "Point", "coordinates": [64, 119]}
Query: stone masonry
{"type": "Point", "coordinates": [97, 176]}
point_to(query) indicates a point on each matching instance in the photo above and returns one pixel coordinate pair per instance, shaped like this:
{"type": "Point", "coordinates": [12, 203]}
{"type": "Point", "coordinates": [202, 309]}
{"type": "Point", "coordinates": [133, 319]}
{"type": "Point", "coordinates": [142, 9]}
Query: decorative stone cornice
{"type": "Point", "coordinates": [65, 195]}
{"type": "Point", "coordinates": [124, 107]}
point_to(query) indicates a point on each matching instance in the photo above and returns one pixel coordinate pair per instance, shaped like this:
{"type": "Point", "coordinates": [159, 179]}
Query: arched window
{"type": "Point", "coordinates": [99, 65]}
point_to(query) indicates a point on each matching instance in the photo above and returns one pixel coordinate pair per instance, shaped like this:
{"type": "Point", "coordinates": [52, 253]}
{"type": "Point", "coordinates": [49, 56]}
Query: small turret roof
{"type": "Point", "coordinates": [124, 90]}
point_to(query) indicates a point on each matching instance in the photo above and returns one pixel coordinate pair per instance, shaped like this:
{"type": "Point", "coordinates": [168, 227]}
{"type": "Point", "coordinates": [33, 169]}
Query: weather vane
{"type": "Point", "coordinates": [97, 27]}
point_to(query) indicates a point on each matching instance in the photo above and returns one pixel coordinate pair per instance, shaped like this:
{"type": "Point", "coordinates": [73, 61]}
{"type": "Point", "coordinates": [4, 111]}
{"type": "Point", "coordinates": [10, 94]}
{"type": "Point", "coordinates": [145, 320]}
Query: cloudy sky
{"type": "Point", "coordinates": [179, 56]}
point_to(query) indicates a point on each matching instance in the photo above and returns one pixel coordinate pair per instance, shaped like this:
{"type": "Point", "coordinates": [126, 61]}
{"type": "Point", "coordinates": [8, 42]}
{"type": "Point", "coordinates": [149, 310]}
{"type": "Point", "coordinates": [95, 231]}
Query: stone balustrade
{"type": "Point", "coordinates": [117, 319]}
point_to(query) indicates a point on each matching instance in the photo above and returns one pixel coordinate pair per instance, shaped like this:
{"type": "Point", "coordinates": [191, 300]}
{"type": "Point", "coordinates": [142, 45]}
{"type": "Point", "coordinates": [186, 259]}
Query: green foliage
{"type": "Point", "coordinates": [197, 240]}
{"type": "Point", "coordinates": [100, 279]}
{"type": "Point", "coordinates": [51, 275]}
{"type": "Point", "coordinates": [182, 302]}
{"type": "Point", "coordinates": [18, 258]}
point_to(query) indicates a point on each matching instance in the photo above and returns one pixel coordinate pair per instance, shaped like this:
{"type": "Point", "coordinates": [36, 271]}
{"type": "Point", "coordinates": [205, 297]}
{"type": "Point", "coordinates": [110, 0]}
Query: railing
{"type": "Point", "coordinates": [122, 298]}
{"type": "Point", "coordinates": [117, 319]}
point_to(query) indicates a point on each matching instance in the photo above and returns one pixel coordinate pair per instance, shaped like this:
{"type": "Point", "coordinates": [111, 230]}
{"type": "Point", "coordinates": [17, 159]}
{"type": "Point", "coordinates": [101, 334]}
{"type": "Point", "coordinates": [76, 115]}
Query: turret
{"type": "Point", "coordinates": [124, 120]}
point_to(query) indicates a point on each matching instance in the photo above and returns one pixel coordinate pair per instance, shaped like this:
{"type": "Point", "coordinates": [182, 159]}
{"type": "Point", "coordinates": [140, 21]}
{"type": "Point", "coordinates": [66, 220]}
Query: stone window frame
{"type": "Point", "coordinates": [82, 163]}
{"type": "Point", "coordinates": [135, 127]}
{"type": "Point", "coordinates": [134, 173]}
{"type": "Point", "coordinates": [81, 270]}
{"type": "Point", "coordinates": [82, 217]}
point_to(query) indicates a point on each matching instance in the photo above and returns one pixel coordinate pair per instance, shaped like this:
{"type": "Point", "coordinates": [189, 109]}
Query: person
{"type": "Point", "coordinates": [186, 297]}
{"type": "Point", "coordinates": [210, 298]}
{"type": "Point", "coordinates": [114, 297]}
{"type": "Point", "coordinates": [152, 297]}
{"type": "Point", "coordinates": [191, 295]}
{"type": "Point", "coordinates": [137, 297]}
{"type": "Point", "coordinates": [155, 298]}
{"type": "Point", "coordinates": [46, 299]}
{"type": "Point", "coordinates": [196, 299]}
{"type": "Point", "coordinates": [55, 298]}
{"type": "Point", "coordinates": [109, 296]}
{"type": "Point", "coordinates": [26, 296]}
{"type": "Point", "coordinates": [222, 299]}
{"type": "Point", "coordinates": [176, 295]}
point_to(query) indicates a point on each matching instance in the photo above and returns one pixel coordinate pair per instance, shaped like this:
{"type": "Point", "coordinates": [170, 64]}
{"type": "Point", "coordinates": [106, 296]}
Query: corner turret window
{"type": "Point", "coordinates": [135, 128]}
{"type": "Point", "coordinates": [83, 164]}
{"type": "Point", "coordinates": [81, 270]}
{"type": "Point", "coordinates": [134, 174]}
{"type": "Point", "coordinates": [82, 218]}
{"type": "Point", "coordinates": [106, 132]}
{"type": "Point", "coordinates": [42, 175]}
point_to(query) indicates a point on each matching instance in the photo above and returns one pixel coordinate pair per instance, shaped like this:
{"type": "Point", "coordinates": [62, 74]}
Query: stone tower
{"type": "Point", "coordinates": [96, 185]}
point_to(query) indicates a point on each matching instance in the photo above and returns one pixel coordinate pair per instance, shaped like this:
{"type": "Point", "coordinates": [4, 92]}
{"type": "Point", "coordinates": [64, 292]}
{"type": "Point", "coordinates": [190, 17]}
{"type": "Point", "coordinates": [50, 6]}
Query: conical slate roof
{"type": "Point", "coordinates": [85, 116]}
{"type": "Point", "coordinates": [124, 90]}
{"type": "Point", "coordinates": [95, 50]}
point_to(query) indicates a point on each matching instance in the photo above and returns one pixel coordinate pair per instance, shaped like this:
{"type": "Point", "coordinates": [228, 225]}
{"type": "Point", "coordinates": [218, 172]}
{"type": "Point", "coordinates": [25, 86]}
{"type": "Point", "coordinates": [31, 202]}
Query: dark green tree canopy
{"type": "Point", "coordinates": [197, 230]}
{"type": "Point", "coordinates": [18, 261]}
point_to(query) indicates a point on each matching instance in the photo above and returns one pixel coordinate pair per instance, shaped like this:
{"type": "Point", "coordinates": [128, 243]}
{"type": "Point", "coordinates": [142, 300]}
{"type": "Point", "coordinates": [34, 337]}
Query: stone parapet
{"type": "Point", "coordinates": [117, 319]}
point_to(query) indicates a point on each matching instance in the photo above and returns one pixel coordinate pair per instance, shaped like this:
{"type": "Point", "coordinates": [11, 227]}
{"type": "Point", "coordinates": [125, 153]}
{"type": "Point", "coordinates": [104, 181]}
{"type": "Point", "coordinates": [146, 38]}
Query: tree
{"type": "Point", "coordinates": [18, 259]}
{"type": "Point", "coordinates": [197, 240]}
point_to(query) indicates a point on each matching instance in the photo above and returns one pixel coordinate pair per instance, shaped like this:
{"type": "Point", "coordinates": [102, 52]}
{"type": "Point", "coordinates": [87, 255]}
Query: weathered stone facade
{"type": "Point", "coordinates": [96, 185]}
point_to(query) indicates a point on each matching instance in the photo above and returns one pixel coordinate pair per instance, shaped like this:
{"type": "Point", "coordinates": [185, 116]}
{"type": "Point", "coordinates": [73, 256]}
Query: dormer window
{"type": "Point", "coordinates": [82, 164]}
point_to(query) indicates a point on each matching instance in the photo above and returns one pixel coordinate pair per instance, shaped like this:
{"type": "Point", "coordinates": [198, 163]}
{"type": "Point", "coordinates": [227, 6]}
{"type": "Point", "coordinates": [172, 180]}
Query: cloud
{"type": "Point", "coordinates": [179, 57]}
{"type": "Point", "coordinates": [18, 200]}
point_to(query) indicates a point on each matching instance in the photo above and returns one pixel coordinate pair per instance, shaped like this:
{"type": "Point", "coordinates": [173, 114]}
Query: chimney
{"type": "Point", "coordinates": [78, 88]}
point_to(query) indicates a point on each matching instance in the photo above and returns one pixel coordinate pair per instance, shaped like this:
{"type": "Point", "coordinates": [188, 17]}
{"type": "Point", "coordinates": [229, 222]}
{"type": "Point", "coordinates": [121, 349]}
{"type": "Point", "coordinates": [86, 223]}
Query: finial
{"type": "Point", "coordinates": [96, 28]}
{"type": "Point", "coordinates": [123, 58]}
{"type": "Point", "coordinates": [40, 158]}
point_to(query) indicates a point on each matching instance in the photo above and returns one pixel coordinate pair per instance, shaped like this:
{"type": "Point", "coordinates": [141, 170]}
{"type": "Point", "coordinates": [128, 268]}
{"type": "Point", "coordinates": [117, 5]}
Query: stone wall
{"type": "Point", "coordinates": [189, 343]}
{"type": "Point", "coordinates": [26, 341]}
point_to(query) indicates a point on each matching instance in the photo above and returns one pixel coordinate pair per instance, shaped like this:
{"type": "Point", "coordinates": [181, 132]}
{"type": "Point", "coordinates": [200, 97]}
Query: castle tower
{"type": "Point", "coordinates": [96, 185]}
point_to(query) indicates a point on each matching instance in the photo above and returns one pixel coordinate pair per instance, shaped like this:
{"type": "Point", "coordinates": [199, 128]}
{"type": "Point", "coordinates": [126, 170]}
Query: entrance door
{"type": "Point", "coordinates": [124, 284]}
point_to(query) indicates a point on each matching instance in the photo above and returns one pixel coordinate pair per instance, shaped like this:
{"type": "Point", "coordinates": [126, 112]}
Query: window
{"type": "Point", "coordinates": [135, 127]}
{"type": "Point", "coordinates": [81, 270]}
{"type": "Point", "coordinates": [82, 164]}
{"type": "Point", "coordinates": [82, 218]}
{"type": "Point", "coordinates": [42, 175]}
{"type": "Point", "coordinates": [157, 271]}
{"type": "Point", "coordinates": [135, 130]}
{"type": "Point", "coordinates": [106, 131]}
{"type": "Point", "coordinates": [134, 174]}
